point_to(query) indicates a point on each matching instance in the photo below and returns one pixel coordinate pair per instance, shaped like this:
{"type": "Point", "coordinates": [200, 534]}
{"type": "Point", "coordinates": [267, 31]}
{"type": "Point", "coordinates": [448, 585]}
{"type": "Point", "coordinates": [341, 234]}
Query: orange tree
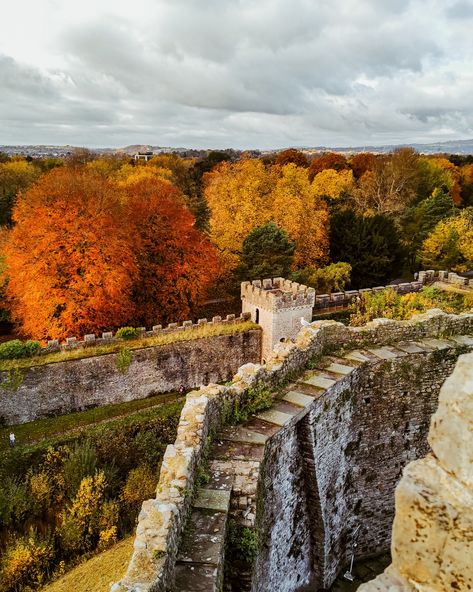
{"type": "Point", "coordinates": [69, 256]}
{"type": "Point", "coordinates": [176, 262]}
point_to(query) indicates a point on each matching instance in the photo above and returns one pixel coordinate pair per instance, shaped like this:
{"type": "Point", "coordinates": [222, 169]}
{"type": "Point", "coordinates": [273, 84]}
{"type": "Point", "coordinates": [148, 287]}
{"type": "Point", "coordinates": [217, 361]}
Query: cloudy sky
{"type": "Point", "coordinates": [235, 73]}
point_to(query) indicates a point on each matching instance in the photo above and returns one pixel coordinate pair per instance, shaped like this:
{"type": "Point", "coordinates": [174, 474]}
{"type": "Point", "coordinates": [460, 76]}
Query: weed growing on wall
{"type": "Point", "coordinates": [123, 361]}
{"type": "Point", "coordinates": [243, 543]}
{"type": "Point", "coordinates": [14, 380]}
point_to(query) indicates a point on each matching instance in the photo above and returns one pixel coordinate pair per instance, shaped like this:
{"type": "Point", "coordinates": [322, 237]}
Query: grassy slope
{"type": "Point", "coordinates": [98, 573]}
{"type": "Point", "coordinates": [99, 350]}
{"type": "Point", "coordinates": [51, 427]}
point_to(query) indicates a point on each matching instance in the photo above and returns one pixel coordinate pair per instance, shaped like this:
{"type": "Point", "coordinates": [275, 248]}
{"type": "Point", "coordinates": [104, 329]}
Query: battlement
{"type": "Point", "coordinates": [108, 338]}
{"type": "Point", "coordinates": [446, 277]}
{"type": "Point", "coordinates": [277, 294]}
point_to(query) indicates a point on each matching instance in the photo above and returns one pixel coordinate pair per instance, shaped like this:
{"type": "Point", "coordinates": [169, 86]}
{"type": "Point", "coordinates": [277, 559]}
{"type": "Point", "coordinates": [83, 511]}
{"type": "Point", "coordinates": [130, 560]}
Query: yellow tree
{"type": "Point", "coordinates": [240, 198]}
{"type": "Point", "coordinates": [454, 175]}
{"type": "Point", "coordinates": [450, 245]}
{"type": "Point", "coordinates": [332, 183]}
{"type": "Point", "coordinates": [298, 209]}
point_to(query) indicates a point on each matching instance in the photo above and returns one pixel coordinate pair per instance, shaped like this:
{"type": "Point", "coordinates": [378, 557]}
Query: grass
{"type": "Point", "coordinates": [98, 573]}
{"type": "Point", "coordinates": [140, 343]}
{"type": "Point", "coordinates": [51, 427]}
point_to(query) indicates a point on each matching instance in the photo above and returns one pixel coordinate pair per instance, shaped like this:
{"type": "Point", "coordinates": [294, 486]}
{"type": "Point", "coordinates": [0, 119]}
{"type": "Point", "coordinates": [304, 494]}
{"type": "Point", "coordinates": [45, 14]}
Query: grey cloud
{"type": "Point", "coordinates": [460, 10]}
{"type": "Point", "coordinates": [245, 73]}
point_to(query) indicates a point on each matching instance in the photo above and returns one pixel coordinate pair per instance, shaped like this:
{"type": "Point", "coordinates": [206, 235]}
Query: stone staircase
{"type": "Point", "coordinates": [237, 453]}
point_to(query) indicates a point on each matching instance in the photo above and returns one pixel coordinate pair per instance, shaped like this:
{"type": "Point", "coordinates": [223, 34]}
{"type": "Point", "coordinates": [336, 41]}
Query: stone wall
{"type": "Point", "coordinates": [73, 385]}
{"type": "Point", "coordinates": [432, 546]}
{"type": "Point", "coordinates": [334, 472]}
{"type": "Point", "coordinates": [162, 520]}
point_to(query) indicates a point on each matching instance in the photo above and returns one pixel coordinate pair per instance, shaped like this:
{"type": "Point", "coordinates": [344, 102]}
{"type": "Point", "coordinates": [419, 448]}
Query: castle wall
{"type": "Point", "coordinates": [333, 443]}
{"type": "Point", "coordinates": [347, 456]}
{"type": "Point", "coordinates": [74, 385]}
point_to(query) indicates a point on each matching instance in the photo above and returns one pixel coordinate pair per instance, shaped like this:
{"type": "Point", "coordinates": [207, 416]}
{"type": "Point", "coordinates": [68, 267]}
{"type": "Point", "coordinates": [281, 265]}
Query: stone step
{"type": "Point", "coordinates": [437, 343]}
{"type": "Point", "coordinates": [299, 399]}
{"type": "Point", "coordinates": [463, 340]}
{"type": "Point", "coordinates": [227, 450]}
{"type": "Point", "coordinates": [196, 578]}
{"type": "Point", "coordinates": [336, 368]}
{"type": "Point", "coordinates": [212, 499]}
{"type": "Point", "coordinates": [357, 356]}
{"type": "Point", "coordinates": [243, 434]}
{"type": "Point", "coordinates": [320, 381]}
{"type": "Point", "coordinates": [410, 347]}
{"type": "Point", "coordinates": [386, 353]}
{"type": "Point", "coordinates": [278, 418]}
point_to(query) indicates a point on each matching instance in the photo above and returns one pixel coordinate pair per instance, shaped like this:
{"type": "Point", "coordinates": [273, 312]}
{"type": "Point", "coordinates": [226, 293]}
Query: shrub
{"type": "Point", "coordinates": [16, 503]}
{"type": "Point", "coordinates": [140, 485]}
{"type": "Point", "coordinates": [127, 333]}
{"type": "Point", "coordinates": [81, 463]}
{"type": "Point", "coordinates": [244, 543]}
{"type": "Point", "coordinates": [25, 562]}
{"type": "Point", "coordinates": [15, 348]}
{"type": "Point", "coordinates": [123, 360]}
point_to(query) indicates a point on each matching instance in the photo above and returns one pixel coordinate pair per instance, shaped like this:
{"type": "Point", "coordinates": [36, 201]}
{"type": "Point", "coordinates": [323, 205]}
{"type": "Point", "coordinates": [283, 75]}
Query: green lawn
{"type": "Point", "coordinates": [99, 350]}
{"type": "Point", "coordinates": [51, 427]}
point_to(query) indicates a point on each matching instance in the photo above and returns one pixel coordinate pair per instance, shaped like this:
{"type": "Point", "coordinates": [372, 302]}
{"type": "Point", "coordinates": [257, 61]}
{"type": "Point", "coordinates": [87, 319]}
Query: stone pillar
{"type": "Point", "coordinates": [432, 543]}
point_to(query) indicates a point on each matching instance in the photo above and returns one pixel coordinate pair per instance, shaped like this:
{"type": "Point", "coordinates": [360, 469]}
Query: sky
{"type": "Point", "coordinates": [235, 73]}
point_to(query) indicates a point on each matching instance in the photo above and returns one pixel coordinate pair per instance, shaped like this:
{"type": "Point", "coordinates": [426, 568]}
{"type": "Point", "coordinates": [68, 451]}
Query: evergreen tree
{"type": "Point", "coordinates": [369, 244]}
{"type": "Point", "coordinates": [267, 252]}
{"type": "Point", "coordinates": [421, 219]}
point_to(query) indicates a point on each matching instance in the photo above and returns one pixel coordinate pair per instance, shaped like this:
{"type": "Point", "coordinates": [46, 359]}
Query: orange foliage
{"type": "Point", "coordinates": [176, 262]}
{"type": "Point", "coordinates": [330, 160]}
{"type": "Point", "coordinates": [69, 257]}
{"type": "Point", "coordinates": [292, 156]}
{"type": "Point", "coordinates": [360, 163]}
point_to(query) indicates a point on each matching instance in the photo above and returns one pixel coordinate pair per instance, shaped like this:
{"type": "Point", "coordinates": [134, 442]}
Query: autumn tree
{"type": "Point", "coordinates": [299, 210]}
{"type": "Point", "coordinates": [176, 262]}
{"type": "Point", "coordinates": [333, 184]}
{"type": "Point", "coordinates": [391, 185]}
{"type": "Point", "coordinates": [450, 244]}
{"type": "Point", "coordinates": [240, 199]}
{"type": "Point", "coordinates": [69, 256]}
{"type": "Point", "coordinates": [267, 252]}
{"type": "Point", "coordinates": [15, 176]}
{"type": "Point", "coordinates": [291, 155]}
{"type": "Point", "coordinates": [369, 244]}
{"type": "Point", "coordinates": [362, 162]}
{"type": "Point", "coordinates": [420, 219]}
{"type": "Point", "coordinates": [329, 160]}
{"type": "Point", "coordinates": [467, 184]}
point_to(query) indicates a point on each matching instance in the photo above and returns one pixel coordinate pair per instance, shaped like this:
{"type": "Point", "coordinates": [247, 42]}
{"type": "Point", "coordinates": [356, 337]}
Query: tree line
{"type": "Point", "coordinates": [93, 243]}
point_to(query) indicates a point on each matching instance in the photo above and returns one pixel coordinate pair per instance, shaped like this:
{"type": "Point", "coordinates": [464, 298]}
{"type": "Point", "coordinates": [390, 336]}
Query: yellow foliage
{"type": "Point", "coordinates": [450, 245]}
{"type": "Point", "coordinates": [25, 563]}
{"type": "Point", "coordinates": [128, 174]}
{"type": "Point", "coordinates": [140, 485]}
{"type": "Point", "coordinates": [41, 488]}
{"type": "Point", "coordinates": [107, 538]}
{"type": "Point", "coordinates": [245, 195]}
{"type": "Point", "coordinates": [332, 183]}
{"type": "Point", "coordinates": [298, 209]}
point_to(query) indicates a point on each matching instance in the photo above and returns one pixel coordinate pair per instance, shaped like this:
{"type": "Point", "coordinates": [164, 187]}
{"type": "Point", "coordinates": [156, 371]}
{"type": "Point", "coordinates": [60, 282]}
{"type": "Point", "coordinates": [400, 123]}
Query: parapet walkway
{"type": "Point", "coordinates": [237, 453]}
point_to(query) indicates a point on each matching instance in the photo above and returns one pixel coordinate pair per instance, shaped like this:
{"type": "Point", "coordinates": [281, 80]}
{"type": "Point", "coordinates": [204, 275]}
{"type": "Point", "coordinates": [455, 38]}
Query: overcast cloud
{"type": "Point", "coordinates": [235, 73]}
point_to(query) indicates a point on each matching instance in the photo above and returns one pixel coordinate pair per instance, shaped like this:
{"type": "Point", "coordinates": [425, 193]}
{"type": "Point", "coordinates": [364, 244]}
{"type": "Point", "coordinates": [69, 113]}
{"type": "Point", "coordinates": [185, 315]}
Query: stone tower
{"type": "Point", "coordinates": [277, 305]}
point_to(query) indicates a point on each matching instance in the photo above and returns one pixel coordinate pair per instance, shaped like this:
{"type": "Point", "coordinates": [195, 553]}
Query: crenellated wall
{"type": "Point", "coordinates": [72, 385]}
{"type": "Point", "coordinates": [352, 442]}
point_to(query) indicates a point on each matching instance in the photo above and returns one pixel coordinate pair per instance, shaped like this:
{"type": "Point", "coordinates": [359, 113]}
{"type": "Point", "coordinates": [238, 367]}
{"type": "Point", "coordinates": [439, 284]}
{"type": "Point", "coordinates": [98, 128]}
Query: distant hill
{"type": "Point", "coordinates": [464, 147]}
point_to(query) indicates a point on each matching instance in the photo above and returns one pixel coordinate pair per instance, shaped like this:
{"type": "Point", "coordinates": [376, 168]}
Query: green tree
{"type": "Point", "coordinates": [369, 244]}
{"type": "Point", "coordinates": [15, 176]}
{"type": "Point", "coordinates": [420, 219]}
{"type": "Point", "coordinates": [267, 252]}
{"type": "Point", "coordinates": [325, 280]}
